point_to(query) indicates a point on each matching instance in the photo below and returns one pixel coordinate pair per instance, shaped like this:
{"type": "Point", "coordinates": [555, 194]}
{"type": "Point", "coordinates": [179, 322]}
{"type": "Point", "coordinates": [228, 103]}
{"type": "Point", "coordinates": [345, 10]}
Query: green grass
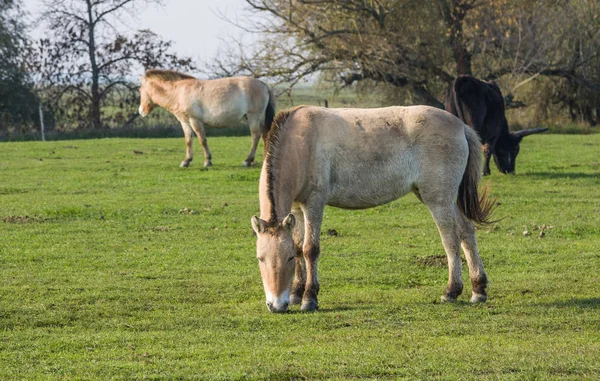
{"type": "Point", "coordinates": [104, 273]}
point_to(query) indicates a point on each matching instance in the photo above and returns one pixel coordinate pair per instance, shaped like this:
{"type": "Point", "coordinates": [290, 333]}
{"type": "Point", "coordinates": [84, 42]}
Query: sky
{"type": "Point", "coordinates": [193, 25]}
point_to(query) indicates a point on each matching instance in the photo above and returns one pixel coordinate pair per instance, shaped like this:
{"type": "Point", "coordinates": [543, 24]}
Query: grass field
{"type": "Point", "coordinates": [117, 264]}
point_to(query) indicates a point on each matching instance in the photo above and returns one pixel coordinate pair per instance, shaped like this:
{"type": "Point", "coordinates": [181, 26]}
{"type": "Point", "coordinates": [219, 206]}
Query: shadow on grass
{"type": "Point", "coordinates": [345, 308]}
{"type": "Point", "coordinates": [593, 303]}
{"type": "Point", "coordinates": [563, 175]}
{"type": "Point", "coordinates": [296, 311]}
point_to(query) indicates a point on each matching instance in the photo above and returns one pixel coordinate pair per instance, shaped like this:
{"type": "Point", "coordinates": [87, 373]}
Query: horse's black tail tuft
{"type": "Point", "coordinates": [269, 114]}
{"type": "Point", "coordinates": [478, 208]}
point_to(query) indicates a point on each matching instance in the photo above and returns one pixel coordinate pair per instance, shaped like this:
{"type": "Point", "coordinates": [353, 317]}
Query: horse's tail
{"type": "Point", "coordinates": [269, 113]}
{"type": "Point", "coordinates": [477, 208]}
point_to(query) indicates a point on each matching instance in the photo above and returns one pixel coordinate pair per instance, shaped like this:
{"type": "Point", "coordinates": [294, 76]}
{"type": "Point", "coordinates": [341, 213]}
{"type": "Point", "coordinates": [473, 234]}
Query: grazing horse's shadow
{"type": "Point", "coordinates": [576, 302]}
{"type": "Point", "coordinates": [563, 175]}
{"type": "Point", "coordinates": [295, 311]}
{"type": "Point", "coordinates": [345, 308]}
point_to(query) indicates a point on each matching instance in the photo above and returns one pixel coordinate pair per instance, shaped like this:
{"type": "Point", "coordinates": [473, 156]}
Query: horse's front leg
{"type": "Point", "coordinates": [299, 284]}
{"type": "Point", "coordinates": [189, 153]}
{"type": "Point", "coordinates": [198, 127]}
{"type": "Point", "coordinates": [313, 214]}
{"type": "Point", "coordinates": [487, 154]}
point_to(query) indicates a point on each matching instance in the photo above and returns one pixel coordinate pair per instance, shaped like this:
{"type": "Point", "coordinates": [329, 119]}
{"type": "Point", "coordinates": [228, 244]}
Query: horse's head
{"type": "Point", "coordinates": [146, 103]}
{"type": "Point", "coordinates": [505, 153]}
{"type": "Point", "coordinates": [507, 149]}
{"type": "Point", "coordinates": [275, 252]}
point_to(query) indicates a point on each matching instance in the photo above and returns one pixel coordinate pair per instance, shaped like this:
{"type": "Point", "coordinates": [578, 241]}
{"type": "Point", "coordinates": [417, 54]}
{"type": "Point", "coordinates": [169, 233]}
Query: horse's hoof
{"type": "Point", "coordinates": [309, 306]}
{"type": "Point", "coordinates": [208, 164]}
{"type": "Point", "coordinates": [478, 298]}
{"type": "Point", "coordinates": [295, 299]}
{"type": "Point", "coordinates": [184, 164]}
{"type": "Point", "coordinates": [247, 164]}
{"type": "Point", "coordinates": [448, 299]}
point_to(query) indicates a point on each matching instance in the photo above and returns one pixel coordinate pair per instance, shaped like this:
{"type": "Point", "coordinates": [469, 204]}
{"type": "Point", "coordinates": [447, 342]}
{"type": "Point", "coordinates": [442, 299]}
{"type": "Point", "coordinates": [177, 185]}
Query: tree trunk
{"type": "Point", "coordinates": [454, 15]}
{"type": "Point", "coordinates": [95, 106]}
{"type": "Point", "coordinates": [422, 96]}
{"type": "Point", "coordinates": [462, 58]}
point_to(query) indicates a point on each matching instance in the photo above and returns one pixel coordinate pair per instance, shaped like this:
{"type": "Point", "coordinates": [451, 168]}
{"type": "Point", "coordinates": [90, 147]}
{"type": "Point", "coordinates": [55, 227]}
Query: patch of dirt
{"type": "Point", "coordinates": [22, 219]}
{"type": "Point", "coordinates": [332, 233]}
{"type": "Point", "coordinates": [187, 210]}
{"type": "Point", "coordinates": [433, 260]}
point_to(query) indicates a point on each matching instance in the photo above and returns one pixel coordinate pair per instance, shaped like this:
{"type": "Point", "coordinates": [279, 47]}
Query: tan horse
{"type": "Point", "coordinates": [217, 103]}
{"type": "Point", "coordinates": [357, 159]}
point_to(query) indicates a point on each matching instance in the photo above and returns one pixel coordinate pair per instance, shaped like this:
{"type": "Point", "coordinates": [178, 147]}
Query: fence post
{"type": "Point", "coordinates": [42, 123]}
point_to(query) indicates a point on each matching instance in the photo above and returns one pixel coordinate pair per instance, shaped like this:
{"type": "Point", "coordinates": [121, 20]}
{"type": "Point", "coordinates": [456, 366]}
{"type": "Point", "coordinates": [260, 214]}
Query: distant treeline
{"type": "Point", "coordinates": [544, 55]}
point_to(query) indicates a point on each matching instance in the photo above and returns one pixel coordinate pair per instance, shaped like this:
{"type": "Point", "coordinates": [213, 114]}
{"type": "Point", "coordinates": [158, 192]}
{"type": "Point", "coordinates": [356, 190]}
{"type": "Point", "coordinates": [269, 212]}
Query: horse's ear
{"type": "Point", "coordinates": [258, 225]}
{"type": "Point", "coordinates": [289, 221]}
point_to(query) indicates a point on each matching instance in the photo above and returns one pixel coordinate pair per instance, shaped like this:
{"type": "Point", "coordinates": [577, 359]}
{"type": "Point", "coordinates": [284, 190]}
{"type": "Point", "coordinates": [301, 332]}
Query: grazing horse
{"type": "Point", "coordinates": [358, 159]}
{"type": "Point", "coordinates": [217, 103]}
{"type": "Point", "coordinates": [480, 104]}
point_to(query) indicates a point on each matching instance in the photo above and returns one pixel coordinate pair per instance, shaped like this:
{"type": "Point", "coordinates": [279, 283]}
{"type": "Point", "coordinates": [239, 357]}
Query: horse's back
{"type": "Point", "coordinates": [380, 131]}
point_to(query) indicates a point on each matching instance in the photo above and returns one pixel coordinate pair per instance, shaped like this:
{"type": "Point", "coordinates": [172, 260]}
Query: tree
{"type": "Point", "coordinates": [86, 63]}
{"type": "Point", "coordinates": [421, 45]}
{"type": "Point", "coordinates": [348, 41]}
{"type": "Point", "coordinates": [17, 101]}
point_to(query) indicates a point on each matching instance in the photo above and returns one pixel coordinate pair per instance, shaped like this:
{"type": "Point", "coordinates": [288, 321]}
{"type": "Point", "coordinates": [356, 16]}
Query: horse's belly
{"type": "Point", "coordinates": [367, 190]}
{"type": "Point", "coordinates": [225, 119]}
{"type": "Point", "coordinates": [222, 114]}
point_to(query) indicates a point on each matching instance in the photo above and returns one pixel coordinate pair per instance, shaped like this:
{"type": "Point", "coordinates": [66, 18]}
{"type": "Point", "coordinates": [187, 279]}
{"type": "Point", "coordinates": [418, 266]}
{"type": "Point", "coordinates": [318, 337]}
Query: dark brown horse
{"type": "Point", "coordinates": [481, 105]}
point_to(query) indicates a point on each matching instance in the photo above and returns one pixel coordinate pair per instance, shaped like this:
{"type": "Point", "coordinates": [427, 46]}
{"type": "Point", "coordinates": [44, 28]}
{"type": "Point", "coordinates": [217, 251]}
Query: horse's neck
{"type": "Point", "coordinates": [164, 94]}
{"type": "Point", "coordinates": [277, 191]}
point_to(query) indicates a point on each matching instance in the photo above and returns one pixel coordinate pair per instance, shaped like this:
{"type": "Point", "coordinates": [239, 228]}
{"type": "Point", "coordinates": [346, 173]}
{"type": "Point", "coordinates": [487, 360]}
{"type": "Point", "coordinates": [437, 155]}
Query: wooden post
{"type": "Point", "coordinates": [42, 123]}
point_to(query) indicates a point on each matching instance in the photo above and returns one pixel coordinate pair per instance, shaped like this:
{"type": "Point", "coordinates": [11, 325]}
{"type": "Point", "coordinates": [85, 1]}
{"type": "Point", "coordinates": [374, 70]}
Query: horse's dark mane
{"type": "Point", "coordinates": [166, 75]}
{"type": "Point", "coordinates": [271, 148]}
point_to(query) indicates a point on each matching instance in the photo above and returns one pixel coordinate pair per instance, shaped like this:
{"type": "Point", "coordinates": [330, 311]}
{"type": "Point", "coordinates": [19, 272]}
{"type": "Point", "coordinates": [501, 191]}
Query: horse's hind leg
{"type": "Point", "coordinates": [255, 131]}
{"type": "Point", "coordinates": [476, 270]}
{"type": "Point", "coordinates": [446, 218]}
{"type": "Point", "coordinates": [201, 134]}
{"type": "Point", "coordinates": [189, 153]}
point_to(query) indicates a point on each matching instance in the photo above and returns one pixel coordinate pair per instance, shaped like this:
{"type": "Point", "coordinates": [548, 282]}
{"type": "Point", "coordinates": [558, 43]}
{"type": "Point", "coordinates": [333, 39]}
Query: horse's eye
{"type": "Point", "coordinates": [261, 259]}
{"type": "Point", "coordinates": [291, 259]}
